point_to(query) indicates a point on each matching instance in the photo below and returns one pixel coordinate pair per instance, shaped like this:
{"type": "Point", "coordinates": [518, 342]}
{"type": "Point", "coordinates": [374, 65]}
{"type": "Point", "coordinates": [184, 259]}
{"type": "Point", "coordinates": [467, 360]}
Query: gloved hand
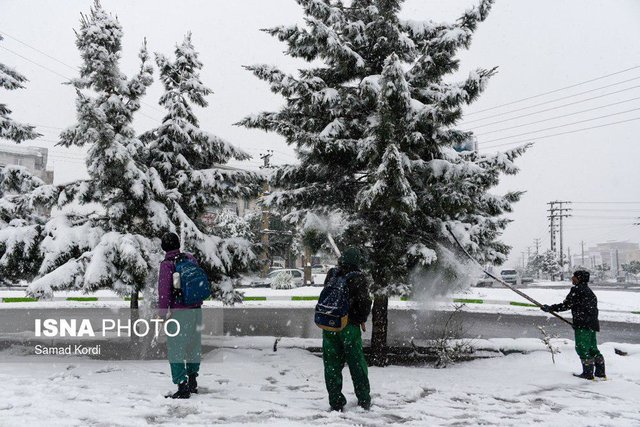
{"type": "Point", "coordinates": [545, 308]}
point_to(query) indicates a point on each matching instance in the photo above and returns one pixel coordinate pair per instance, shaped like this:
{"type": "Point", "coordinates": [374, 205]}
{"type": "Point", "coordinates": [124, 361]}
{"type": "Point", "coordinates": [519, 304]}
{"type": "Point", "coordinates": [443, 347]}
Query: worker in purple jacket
{"type": "Point", "coordinates": [184, 348]}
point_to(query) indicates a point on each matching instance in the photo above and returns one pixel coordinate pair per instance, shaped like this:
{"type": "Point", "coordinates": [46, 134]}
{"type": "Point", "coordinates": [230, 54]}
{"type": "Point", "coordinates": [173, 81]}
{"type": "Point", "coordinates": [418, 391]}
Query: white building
{"type": "Point", "coordinates": [32, 158]}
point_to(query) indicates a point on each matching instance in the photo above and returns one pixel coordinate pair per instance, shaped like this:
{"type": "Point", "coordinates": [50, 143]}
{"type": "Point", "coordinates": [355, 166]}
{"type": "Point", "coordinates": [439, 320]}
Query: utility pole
{"type": "Point", "coordinates": [582, 248]}
{"type": "Point", "coordinates": [266, 218]}
{"type": "Point", "coordinates": [557, 212]}
{"type": "Point", "coordinates": [569, 258]}
{"type": "Point", "coordinates": [537, 243]}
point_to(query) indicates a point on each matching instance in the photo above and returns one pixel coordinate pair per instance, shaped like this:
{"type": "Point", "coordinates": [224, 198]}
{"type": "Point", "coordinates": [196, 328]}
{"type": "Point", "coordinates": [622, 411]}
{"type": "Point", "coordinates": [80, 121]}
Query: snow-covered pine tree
{"type": "Point", "coordinates": [550, 265]}
{"type": "Point", "coordinates": [10, 79]}
{"type": "Point", "coordinates": [191, 164]}
{"type": "Point", "coordinates": [110, 243]}
{"type": "Point", "coordinates": [20, 197]}
{"type": "Point", "coordinates": [25, 202]}
{"type": "Point", "coordinates": [377, 121]}
{"type": "Point", "coordinates": [534, 266]}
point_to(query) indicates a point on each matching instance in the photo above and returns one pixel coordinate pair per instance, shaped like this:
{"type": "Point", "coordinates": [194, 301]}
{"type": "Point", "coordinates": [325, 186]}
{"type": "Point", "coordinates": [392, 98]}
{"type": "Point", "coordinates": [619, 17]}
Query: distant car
{"type": "Point", "coordinates": [296, 275]}
{"type": "Point", "coordinates": [276, 263]}
{"type": "Point", "coordinates": [510, 276]}
{"type": "Point", "coordinates": [485, 282]}
{"type": "Point", "coordinates": [526, 280]}
{"type": "Point", "coordinates": [321, 268]}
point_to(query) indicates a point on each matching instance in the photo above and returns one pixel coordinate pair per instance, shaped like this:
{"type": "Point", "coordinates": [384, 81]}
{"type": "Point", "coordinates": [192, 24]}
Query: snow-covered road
{"type": "Point", "coordinates": [250, 386]}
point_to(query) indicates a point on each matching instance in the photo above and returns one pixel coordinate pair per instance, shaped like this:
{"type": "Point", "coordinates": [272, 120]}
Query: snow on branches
{"type": "Point", "coordinates": [375, 130]}
{"type": "Point", "coordinates": [10, 79]}
{"type": "Point", "coordinates": [190, 165]}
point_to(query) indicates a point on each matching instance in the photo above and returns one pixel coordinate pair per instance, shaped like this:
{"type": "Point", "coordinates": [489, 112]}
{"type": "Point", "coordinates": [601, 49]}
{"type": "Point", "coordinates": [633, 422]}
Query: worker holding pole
{"type": "Point", "coordinates": [583, 304]}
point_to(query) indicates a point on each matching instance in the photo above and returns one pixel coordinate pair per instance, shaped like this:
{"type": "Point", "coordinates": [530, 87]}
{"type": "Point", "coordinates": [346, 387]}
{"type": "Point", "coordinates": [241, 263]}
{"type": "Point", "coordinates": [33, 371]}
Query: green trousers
{"type": "Point", "coordinates": [338, 348]}
{"type": "Point", "coordinates": [184, 349]}
{"type": "Point", "coordinates": [586, 344]}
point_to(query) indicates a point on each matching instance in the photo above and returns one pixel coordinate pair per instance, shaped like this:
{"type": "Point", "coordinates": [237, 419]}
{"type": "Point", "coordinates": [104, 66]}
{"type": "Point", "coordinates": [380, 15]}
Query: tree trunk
{"type": "Point", "coordinates": [379, 332]}
{"type": "Point", "coordinates": [133, 305]}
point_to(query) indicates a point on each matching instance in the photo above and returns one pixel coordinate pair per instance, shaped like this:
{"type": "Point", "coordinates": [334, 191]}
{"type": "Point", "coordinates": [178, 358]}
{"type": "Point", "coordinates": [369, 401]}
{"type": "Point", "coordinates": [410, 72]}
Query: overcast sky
{"type": "Point", "coordinates": [539, 46]}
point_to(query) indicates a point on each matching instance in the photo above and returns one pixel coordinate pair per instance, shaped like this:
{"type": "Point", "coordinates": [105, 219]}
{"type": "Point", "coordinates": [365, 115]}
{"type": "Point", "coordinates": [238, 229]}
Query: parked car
{"type": "Point", "coordinates": [276, 263]}
{"type": "Point", "coordinates": [296, 274]}
{"type": "Point", "coordinates": [510, 276]}
{"type": "Point", "coordinates": [526, 279]}
{"type": "Point", "coordinates": [485, 282]}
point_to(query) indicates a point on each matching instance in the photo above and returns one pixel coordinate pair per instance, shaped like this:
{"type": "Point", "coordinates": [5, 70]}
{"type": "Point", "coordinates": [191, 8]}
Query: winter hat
{"type": "Point", "coordinates": [170, 242]}
{"type": "Point", "coordinates": [351, 257]}
{"type": "Point", "coordinates": [582, 276]}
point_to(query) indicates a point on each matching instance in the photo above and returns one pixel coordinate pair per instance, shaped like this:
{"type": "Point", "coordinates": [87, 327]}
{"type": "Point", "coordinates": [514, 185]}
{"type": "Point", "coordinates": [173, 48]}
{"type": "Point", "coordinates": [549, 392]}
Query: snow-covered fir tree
{"type": "Point", "coordinates": [10, 79]}
{"type": "Point", "coordinates": [534, 265]}
{"type": "Point", "coordinates": [25, 203]}
{"type": "Point", "coordinates": [104, 236]}
{"type": "Point", "coordinates": [191, 165]}
{"type": "Point", "coordinates": [374, 128]}
{"type": "Point", "coordinates": [23, 197]}
{"type": "Point", "coordinates": [550, 265]}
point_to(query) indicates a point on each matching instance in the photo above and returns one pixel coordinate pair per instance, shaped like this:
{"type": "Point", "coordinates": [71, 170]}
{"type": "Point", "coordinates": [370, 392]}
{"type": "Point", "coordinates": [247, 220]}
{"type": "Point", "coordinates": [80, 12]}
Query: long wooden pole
{"type": "Point", "coordinates": [502, 282]}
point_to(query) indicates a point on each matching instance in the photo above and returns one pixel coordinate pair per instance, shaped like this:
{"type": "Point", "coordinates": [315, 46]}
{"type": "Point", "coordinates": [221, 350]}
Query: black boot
{"type": "Point", "coordinates": [599, 362]}
{"type": "Point", "coordinates": [193, 384]}
{"type": "Point", "coordinates": [587, 370]}
{"type": "Point", "coordinates": [183, 391]}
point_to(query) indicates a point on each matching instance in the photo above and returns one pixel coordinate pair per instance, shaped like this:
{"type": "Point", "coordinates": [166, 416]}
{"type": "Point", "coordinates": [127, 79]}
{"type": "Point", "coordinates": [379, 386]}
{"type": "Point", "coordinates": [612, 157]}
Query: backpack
{"type": "Point", "coordinates": [194, 284]}
{"type": "Point", "coordinates": [332, 310]}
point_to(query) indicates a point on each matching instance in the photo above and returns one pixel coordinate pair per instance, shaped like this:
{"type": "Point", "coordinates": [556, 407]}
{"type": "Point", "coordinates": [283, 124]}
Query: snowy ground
{"type": "Point", "coordinates": [253, 385]}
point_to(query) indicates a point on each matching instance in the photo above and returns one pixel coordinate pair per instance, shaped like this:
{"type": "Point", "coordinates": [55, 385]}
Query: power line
{"type": "Point", "coordinates": [549, 119]}
{"type": "Point", "coordinates": [562, 133]}
{"type": "Point", "coordinates": [554, 91]}
{"type": "Point", "coordinates": [607, 203]}
{"type": "Point", "coordinates": [549, 109]}
{"type": "Point", "coordinates": [607, 210]}
{"type": "Point", "coordinates": [35, 63]}
{"type": "Point", "coordinates": [605, 217]}
{"type": "Point", "coordinates": [561, 126]}
{"type": "Point", "coordinates": [39, 51]}
{"type": "Point", "coordinates": [73, 68]}
{"type": "Point", "coordinates": [48, 127]}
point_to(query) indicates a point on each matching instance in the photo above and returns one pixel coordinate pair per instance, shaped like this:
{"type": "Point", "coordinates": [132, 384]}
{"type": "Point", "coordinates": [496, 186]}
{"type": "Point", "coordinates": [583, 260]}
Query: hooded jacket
{"type": "Point", "coordinates": [583, 304]}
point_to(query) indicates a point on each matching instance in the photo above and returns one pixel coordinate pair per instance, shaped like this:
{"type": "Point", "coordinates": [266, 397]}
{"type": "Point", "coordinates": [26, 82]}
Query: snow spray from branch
{"type": "Point", "coordinates": [333, 224]}
{"type": "Point", "coordinates": [445, 276]}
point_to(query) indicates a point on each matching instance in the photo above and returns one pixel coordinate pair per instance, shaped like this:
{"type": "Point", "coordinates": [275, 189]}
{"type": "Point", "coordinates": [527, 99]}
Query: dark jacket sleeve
{"type": "Point", "coordinates": [360, 302]}
{"type": "Point", "coordinates": [568, 302]}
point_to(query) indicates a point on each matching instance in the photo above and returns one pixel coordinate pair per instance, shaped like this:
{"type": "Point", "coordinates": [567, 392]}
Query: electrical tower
{"type": "Point", "coordinates": [557, 212]}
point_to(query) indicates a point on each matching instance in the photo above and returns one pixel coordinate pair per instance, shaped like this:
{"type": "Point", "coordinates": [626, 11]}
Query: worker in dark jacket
{"type": "Point", "coordinates": [584, 309]}
{"type": "Point", "coordinates": [346, 345]}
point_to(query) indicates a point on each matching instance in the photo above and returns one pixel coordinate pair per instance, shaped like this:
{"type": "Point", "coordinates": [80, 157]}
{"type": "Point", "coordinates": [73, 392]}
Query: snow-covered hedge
{"type": "Point", "coordinates": [283, 281]}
